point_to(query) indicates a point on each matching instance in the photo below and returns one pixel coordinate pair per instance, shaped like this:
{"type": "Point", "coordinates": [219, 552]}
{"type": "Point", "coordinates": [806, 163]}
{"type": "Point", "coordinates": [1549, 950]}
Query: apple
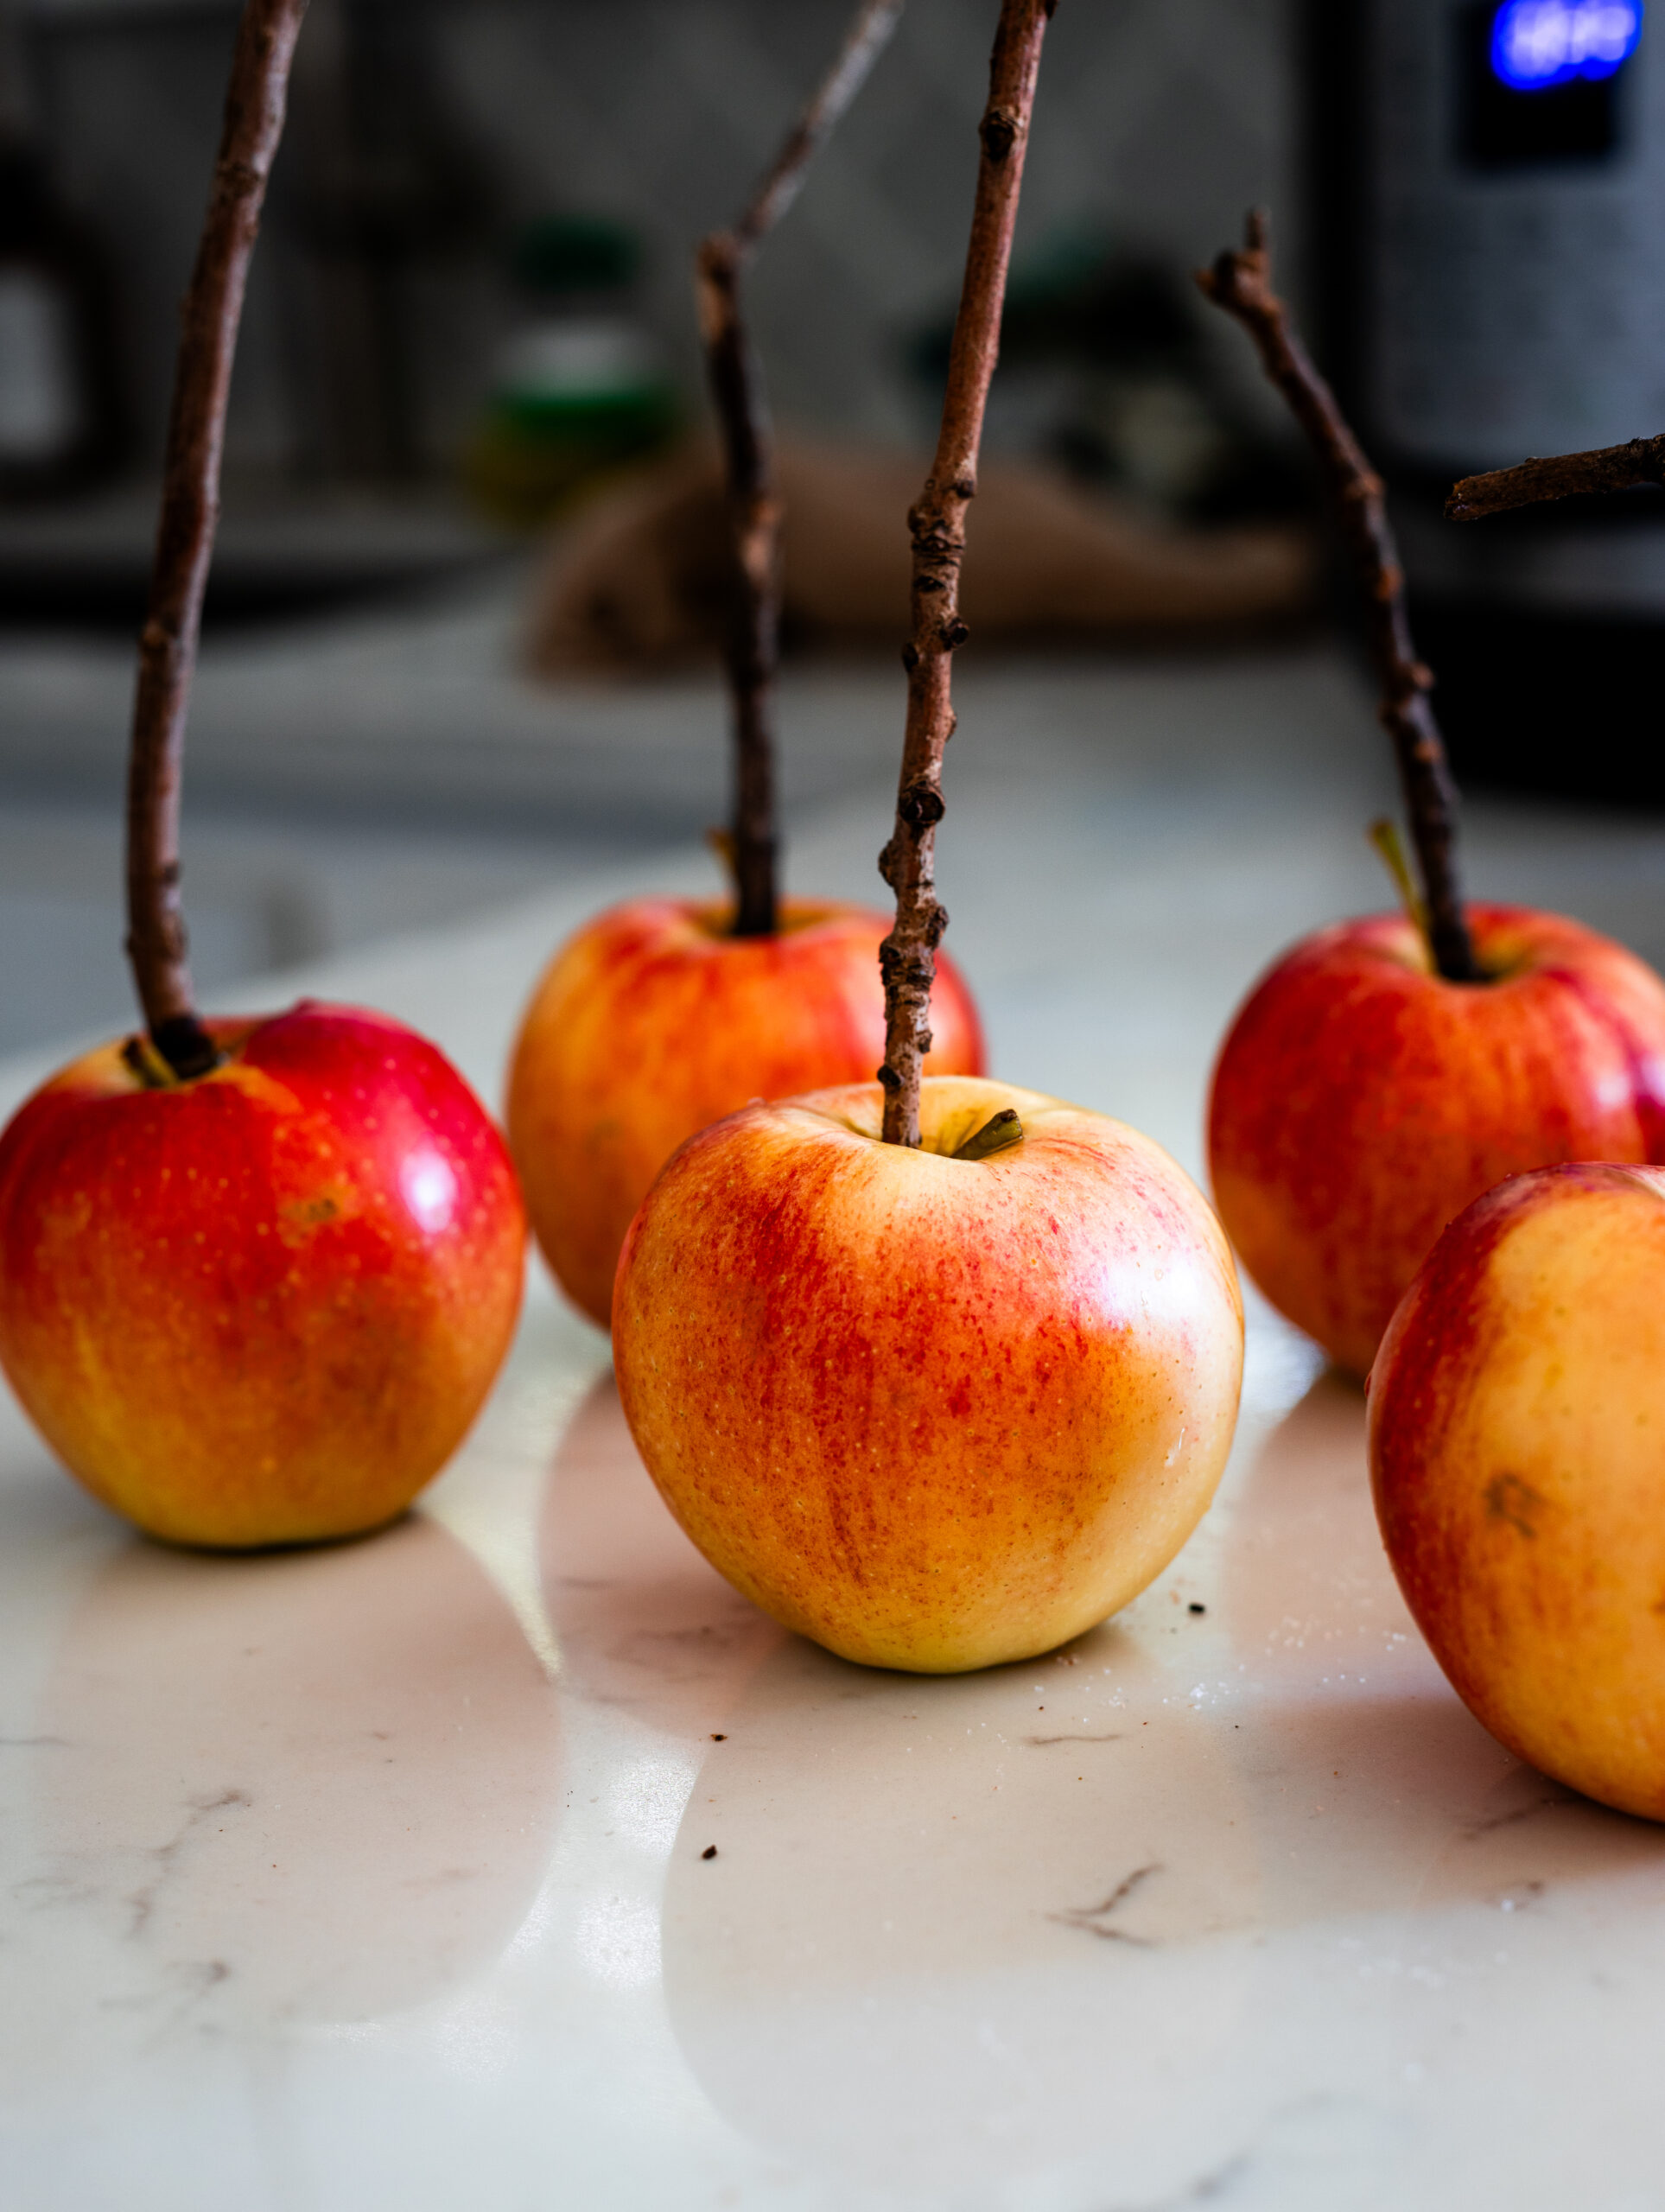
{"type": "Point", "coordinates": [1517, 1454]}
{"type": "Point", "coordinates": [934, 1412]}
{"type": "Point", "coordinates": [654, 1020]}
{"type": "Point", "coordinates": [1360, 1101]}
{"type": "Point", "coordinates": [263, 1305]}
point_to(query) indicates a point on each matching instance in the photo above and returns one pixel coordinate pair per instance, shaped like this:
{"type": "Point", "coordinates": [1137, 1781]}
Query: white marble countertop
{"type": "Point", "coordinates": [374, 1876]}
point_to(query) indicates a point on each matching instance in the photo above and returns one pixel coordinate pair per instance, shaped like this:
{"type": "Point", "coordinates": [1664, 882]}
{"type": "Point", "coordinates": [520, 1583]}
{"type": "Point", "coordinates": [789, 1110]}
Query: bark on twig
{"type": "Point", "coordinates": [752, 845]}
{"type": "Point", "coordinates": [1241, 283]}
{"type": "Point", "coordinates": [1566, 476]}
{"type": "Point", "coordinates": [936, 524]}
{"type": "Point", "coordinates": [185, 535]}
{"type": "Point", "coordinates": [743, 410]}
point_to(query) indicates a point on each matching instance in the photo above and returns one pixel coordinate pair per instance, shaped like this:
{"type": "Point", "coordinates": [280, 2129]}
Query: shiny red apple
{"type": "Point", "coordinates": [1517, 1451]}
{"type": "Point", "coordinates": [654, 1021]}
{"type": "Point", "coordinates": [1360, 1101]}
{"type": "Point", "coordinates": [934, 1411]}
{"type": "Point", "coordinates": [263, 1305]}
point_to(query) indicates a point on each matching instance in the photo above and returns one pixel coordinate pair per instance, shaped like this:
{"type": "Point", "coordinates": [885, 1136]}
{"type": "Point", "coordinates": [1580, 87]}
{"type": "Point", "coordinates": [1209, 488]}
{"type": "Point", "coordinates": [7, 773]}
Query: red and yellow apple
{"type": "Point", "coordinates": [654, 1021]}
{"type": "Point", "coordinates": [1517, 1451]}
{"type": "Point", "coordinates": [1360, 1101]}
{"type": "Point", "coordinates": [934, 1412]}
{"type": "Point", "coordinates": [261, 1307]}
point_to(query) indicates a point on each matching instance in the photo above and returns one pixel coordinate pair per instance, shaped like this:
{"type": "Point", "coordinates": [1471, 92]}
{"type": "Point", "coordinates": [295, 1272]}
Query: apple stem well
{"type": "Point", "coordinates": [752, 846]}
{"type": "Point", "coordinates": [185, 536]}
{"type": "Point", "coordinates": [1241, 283]}
{"type": "Point", "coordinates": [937, 528]}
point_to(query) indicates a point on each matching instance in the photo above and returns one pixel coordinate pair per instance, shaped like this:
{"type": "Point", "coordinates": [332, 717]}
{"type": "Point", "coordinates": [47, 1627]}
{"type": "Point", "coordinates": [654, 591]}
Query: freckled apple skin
{"type": "Point", "coordinates": [262, 1307]}
{"type": "Point", "coordinates": [1517, 1455]}
{"type": "Point", "coordinates": [1360, 1101]}
{"type": "Point", "coordinates": [651, 1023]}
{"type": "Point", "coordinates": [935, 1414]}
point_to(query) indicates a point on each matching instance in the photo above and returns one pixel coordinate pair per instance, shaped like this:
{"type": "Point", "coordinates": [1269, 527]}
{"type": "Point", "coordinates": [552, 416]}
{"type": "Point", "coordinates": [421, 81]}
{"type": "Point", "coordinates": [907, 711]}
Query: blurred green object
{"type": "Point", "coordinates": [579, 387]}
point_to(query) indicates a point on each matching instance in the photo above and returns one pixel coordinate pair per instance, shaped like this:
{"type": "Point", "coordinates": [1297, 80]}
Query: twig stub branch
{"type": "Point", "coordinates": [737, 393]}
{"type": "Point", "coordinates": [937, 525]}
{"type": "Point", "coordinates": [185, 534]}
{"type": "Point", "coordinates": [1241, 283]}
{"type": "Point", "coordinates": [1564, 476]}
{"type": "Point", "coordinates": [781, 182]}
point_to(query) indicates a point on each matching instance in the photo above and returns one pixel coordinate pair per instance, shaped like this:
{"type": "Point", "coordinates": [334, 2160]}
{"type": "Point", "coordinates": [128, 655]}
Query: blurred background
{"type": "Point", "coordinates": [458, 644]}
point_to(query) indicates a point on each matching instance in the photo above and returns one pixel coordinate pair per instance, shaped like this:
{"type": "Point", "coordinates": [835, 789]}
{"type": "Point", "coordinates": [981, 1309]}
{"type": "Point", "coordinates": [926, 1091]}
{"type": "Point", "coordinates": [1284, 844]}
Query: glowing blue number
{"type": "Point", "coordinates": [1538, 43]}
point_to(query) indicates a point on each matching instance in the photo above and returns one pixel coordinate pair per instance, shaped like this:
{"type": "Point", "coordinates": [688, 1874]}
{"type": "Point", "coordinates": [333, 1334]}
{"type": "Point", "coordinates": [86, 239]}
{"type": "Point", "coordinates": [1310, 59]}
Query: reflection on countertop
{"type": "Point", "coordinates": [299, 1787]}
{"type": "Point", "coordinates": [514, 1844]}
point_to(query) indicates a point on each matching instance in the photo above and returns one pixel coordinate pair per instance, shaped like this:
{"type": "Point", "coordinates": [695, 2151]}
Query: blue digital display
{"type": "Point", "coordinates": [1536, 44]}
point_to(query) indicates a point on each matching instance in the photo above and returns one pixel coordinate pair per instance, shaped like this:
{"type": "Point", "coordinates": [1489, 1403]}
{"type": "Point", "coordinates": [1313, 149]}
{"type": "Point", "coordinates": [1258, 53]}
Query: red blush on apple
{"type": "Point", "coordinates": [265, 1306]}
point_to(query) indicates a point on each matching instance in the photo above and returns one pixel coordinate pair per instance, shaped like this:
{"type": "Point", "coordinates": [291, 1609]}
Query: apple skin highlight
{"type": "Point", "coordinates": [1517, 1456]}
{"type": "Point", "coordinates": [263, 1306]}
{"type": "Point", "coordinates": [934, 1413]}
{"type": "Point", "coordinates": [1360, 1101]}
{"type": "Point", "coordinates": [651, 1023]}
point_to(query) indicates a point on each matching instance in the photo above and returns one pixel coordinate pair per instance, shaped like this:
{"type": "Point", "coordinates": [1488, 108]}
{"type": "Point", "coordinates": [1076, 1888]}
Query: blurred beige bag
{"type": "Point", "coordinates": [642, 579]}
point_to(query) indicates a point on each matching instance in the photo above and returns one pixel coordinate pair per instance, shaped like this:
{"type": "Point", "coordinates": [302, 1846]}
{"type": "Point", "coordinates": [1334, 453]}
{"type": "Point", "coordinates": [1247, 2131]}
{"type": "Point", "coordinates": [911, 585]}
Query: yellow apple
{"type": "Point", "coordinates": [933, 1411]}
{"type": "Point", "coordinates": [1517, 1451]}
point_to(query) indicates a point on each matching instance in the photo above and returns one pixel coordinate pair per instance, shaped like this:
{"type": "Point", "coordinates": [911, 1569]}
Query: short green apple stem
{"type": "Point", "coordinates": [937, 525]}
{"type": "Point", "coordinates": [1241, 283]}
{"type": "Point", "coordinates": [742, 409]}
{"type": "Point", "coordinates": [144, 1061]}
{"type": "Point", "coordinates": [1384, 836]}
{"type": "Point", "coordinates": [185, 534]}
{"type": "Point", "coordinates": [998, 1135]}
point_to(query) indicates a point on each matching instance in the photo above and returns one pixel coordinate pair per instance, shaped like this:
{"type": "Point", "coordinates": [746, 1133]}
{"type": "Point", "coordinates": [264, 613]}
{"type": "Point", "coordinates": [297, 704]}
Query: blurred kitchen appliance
{"type": "Point", "coordinates": [380, 189]}
{"type": "Point", "coordinates": [1486, 181]}
{"type": "Point", "coordinates": [62, 422]}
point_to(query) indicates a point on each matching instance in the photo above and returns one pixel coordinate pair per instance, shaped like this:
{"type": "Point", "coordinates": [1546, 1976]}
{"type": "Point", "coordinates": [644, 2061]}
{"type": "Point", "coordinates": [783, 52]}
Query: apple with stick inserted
{"type": "Point", "coordinates": [1389, 1069]}
{"type": "Point", "coordinates": [664, 1015]}
{"type": "Point", "coordinates": [938, 1371]}
{"type": "Point", "coordinates": [1517, 1410]}
{"type": "Point", "coordinates": [256, 1275]}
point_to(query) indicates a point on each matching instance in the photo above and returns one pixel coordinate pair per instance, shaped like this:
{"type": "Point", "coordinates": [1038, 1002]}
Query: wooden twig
{"type": "Point", "coordinates": [742, 409]}
{"type": "Point", "coordinates": [185, 534]}
{"type": "Point", "coordinates": [937, 525]}
{"type": "Point", "coordinates": [1566, 476]}
{"type": "Point", "coordinates": [780, 184]}
{"type": "Point", "coordinates": [1241, 283]}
